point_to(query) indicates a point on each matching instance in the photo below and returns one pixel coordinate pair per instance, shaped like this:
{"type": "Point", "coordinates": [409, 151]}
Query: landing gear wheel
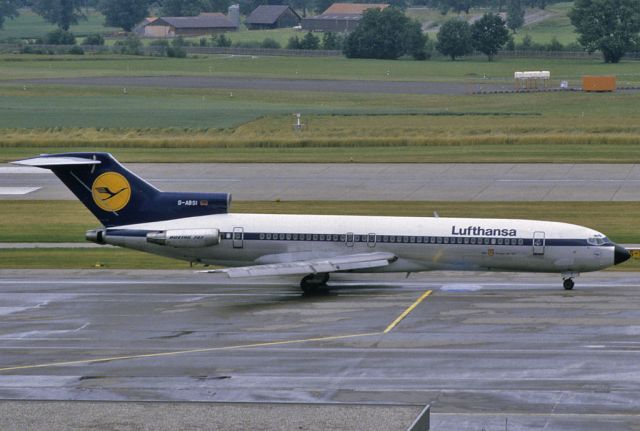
{"type": "Point", "coordinates": [568, 284]}
{"type": "Point", "coordinates": [314, 283]}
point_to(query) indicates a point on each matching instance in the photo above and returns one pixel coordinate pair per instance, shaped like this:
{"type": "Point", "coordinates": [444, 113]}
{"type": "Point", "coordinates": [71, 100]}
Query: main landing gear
{"type": "Point", "coordinates": [567, 280]}
{"type": "Point", "coordinates": [314, 283]}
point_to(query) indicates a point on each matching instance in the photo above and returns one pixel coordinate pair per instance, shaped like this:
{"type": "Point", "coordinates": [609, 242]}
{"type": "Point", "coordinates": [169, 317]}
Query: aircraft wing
{"type": "Point", "coordinates": [312, 266]}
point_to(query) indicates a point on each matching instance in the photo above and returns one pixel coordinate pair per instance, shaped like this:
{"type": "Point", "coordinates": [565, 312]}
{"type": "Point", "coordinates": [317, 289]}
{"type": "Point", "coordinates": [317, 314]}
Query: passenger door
{"type": "Point", "coordinates": [538, 243]}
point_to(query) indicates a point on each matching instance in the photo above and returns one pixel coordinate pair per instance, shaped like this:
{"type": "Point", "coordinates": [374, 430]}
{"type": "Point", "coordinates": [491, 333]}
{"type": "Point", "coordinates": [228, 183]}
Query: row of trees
{"type": "Point", "coordinates": [127, 13]}
{"type": "Point", "coordinates": [487, 35]}
{"type": "Point", "coordinates": [611, 26]}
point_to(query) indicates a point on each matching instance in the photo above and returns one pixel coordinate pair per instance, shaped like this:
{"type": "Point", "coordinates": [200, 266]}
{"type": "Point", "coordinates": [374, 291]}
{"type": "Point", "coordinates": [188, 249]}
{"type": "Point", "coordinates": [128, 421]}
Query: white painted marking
{"type": "Point", "coordinates": [461, 287]}
{"type": "Point", "coordinates": [595, 346]}
{"type": "Point", "coordinates": [23, 170]}
{"type": "Point", "coordinates": [17, 190]}
{"type": "Point", "coordinates": [622, 180]}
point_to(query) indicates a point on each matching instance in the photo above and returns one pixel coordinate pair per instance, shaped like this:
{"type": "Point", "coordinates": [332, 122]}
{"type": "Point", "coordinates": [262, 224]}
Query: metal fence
{"type": "Point", "coordinates": [156, 50]}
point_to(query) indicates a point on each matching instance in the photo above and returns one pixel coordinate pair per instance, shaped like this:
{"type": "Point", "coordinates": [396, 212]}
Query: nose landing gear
{"type": "Point", "coordinates": [568, 284]}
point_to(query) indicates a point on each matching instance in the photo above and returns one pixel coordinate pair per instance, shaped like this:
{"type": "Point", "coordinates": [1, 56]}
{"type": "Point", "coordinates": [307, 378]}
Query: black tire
{"type": "Point", "coordinates": [568, 284]}
{"type": "Point", "coordinates": [314, 283]}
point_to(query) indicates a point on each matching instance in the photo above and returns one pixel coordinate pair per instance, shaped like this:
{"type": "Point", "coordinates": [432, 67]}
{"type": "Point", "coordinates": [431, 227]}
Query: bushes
{"type": "Point", "coordinates": [94, 39]}
{"type": "Point", "coordinates": [76, 50]}
{"type": "Point", "coordinates": [59, 37]}
{"type": "Point", "coordinates": [130, 46]}
{"type": "Point", "coordinates": [269, 43]}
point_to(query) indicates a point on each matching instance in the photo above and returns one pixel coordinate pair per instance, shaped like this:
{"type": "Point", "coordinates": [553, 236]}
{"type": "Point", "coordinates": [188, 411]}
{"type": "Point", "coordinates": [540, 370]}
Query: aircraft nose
{"type": "Point", "coordinates": [620, 254]}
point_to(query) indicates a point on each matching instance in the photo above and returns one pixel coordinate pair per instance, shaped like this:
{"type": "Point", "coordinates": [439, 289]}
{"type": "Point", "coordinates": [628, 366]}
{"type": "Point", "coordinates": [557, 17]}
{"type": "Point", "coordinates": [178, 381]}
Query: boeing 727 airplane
{"type": "Point", "coordinates": [198, 227]}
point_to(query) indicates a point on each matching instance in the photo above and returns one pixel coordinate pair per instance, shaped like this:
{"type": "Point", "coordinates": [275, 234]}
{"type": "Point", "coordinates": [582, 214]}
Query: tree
{"type": "Point", "coordinates": [181, 7]}
{"type": "Point", "coordinates": [309, 41]}
{"type": "Point", "coordinates": [515, 14]}
{"type": "Point", "coordinates": [454, 38]}
{"type": "Point", "coordinates": [8, 9]}
{"type": "Point", "coordinates": [332, 41]}
{"type": "Point", "coordinates": [62, 13]}
{"type": "Point", "coordinates": [124, 13]}
{"type": "Point", "coordinates": [489, 34]}
{"type": "Point", "coordinates": [612, 26]}
{"type": "Point", "coordinates": [59, 37]}
{"type": "Point", "coordinates": [386, 34]}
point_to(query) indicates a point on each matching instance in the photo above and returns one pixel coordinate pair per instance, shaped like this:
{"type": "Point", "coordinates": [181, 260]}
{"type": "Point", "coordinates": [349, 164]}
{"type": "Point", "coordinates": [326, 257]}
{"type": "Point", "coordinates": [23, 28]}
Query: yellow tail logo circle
{"type": "Point", "coordinates": [111, 191]}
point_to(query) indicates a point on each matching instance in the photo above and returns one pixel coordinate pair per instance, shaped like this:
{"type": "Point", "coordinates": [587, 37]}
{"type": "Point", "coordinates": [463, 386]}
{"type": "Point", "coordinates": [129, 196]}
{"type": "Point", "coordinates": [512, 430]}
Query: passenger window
{"type": "Point", "coordinates": [261, 236]}
{"type": "Point", "coordinates": [412, 239]}
{"type": "Point", "coordinates": [459, 240]}
{"type": "Point", "coordinates": [295, 236]}
{"type": "Point", "coordinates": [473, 240]}
{"type": "Point", "coordinates": [268, 236]}
{"type": "Point", "coordinates": [520, 241]}
{"type": "Point", "coordinates": [499, 241]}
{"type": "Point", "coordinates": [432, 240]}
{"type": "Point", "coordinates": [487, 241]}
{"type": "Point", "coordinates": [288, 237]}
{"type": "Point", "coordinates": [392, 238]}
{"type": "Point", "coordinates": [321, 237]}
{"type": "Point", "coordinates": [343, 238]}
{"type": "Point", "coordinates": [466, 240]}
{"type": "Point", "coordinates": [439, 240]}
{"type": "Point", "coordinates": [405, 239]}
{"type": "Point", "coordinates": [335, 237]}
{"type": "Point", "coordinates": [281, 236]}
{"type": "Point", "coordinates": [356, 238]}
{"type": "Point", "coordinates": [315, 237]}
{"type": "Point", "coordinates": [446, 240]}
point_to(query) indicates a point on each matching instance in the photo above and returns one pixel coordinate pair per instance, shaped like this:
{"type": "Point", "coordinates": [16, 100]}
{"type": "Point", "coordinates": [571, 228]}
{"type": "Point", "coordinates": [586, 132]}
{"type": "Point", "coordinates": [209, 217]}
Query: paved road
{"type": "Point", "coordinates": [437, 182]}
{"type": "Point", "coordinates": [481, 348]}
{"type": "Point", "coordinates": [341, 86]}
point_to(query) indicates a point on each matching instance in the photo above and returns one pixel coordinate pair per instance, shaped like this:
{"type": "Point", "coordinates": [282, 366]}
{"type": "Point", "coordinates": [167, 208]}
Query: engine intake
{"type": "Point", "coordinates": [185, 238]}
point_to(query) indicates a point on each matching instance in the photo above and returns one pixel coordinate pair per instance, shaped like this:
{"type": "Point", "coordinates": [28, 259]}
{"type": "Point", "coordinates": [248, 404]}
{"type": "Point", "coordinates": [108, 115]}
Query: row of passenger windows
{"type": "Point", "coordinates": [371, 238]}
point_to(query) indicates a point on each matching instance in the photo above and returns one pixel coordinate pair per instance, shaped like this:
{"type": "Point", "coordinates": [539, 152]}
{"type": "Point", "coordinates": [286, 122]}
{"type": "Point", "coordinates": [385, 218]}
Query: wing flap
{"type": "Point", "coordinates": [312, 266]}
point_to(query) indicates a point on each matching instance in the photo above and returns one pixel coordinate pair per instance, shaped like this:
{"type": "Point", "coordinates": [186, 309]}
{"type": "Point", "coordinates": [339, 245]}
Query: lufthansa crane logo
{"type": "Point", "coordinates": [111, 191]}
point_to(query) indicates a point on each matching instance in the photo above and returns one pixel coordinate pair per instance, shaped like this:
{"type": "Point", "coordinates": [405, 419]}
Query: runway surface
{"type": "Point", "coordinates": [438, 182]}
{"type": "Point", "coordinates": [482, 348]}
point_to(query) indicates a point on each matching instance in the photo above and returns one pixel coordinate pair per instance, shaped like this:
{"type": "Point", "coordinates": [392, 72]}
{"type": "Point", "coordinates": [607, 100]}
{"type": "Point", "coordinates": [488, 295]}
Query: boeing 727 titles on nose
{"type": "Point", "coordinates": [198, 227]}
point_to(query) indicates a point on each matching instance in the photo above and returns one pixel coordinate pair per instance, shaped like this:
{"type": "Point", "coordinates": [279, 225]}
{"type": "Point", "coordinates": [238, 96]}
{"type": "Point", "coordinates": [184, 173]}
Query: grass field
{"type": "Point", "coordinates": [67, 221]}
{"type": "Point", "coordinates": [30, 25]}
{"type": "Point", "coordinates": [152, 124]}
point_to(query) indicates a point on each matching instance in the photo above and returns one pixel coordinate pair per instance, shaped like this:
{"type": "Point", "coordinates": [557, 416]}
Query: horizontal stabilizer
{"type": "Point", "coordinates": [312, 266]}
{"type": "Point", "coordinates": [48, 162]}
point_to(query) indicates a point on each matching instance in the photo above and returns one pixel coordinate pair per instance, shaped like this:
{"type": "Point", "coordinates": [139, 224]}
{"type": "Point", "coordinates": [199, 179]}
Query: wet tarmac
{"type": "Point", "coordinates": [483, 349]}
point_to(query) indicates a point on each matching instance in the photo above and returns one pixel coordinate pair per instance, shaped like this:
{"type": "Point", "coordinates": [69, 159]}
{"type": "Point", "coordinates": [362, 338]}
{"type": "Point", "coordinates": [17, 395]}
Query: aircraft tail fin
{"type": "Point", "coordinates": [117, 196]}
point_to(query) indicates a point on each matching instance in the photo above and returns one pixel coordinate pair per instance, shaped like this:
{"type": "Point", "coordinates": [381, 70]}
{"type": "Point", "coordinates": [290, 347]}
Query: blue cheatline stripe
{"type": "Point", "coordinates": [380, 239]}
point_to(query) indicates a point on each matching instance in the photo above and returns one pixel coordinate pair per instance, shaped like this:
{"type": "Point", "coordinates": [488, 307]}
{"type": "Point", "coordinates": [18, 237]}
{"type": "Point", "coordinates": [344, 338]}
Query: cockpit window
{"type": "Point", "coordinates": [599, 241]}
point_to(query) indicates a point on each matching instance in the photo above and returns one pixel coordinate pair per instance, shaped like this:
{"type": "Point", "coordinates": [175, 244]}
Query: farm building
{"type": "Point", "coordinates": [339, 17]}
{"type": "Point", "coordinates": [272, 16]}
{"type": "Point", "coordinates": [201, 25]}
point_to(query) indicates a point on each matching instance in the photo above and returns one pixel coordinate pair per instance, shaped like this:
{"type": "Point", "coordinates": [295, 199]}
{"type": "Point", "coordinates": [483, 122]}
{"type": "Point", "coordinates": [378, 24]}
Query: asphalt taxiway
{"type": "Point", "coordinates": [325, 181]}
{"type": "Point", "coordinates": [482, 349]}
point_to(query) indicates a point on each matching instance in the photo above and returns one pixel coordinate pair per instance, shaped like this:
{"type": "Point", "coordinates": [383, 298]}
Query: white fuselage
{"type": "Point", "coordinates": [420, 243]}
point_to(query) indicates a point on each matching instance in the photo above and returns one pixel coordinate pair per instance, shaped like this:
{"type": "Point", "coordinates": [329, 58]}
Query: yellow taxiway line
{"type": "Point", "coordinates": [406, 312]}
{"type": "Point", "coordinates": [395, 323]}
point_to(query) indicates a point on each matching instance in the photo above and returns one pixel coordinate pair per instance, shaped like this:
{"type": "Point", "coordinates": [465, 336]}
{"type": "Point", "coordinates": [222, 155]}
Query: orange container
{"type": "Point", "coordinates": [598, 83]}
